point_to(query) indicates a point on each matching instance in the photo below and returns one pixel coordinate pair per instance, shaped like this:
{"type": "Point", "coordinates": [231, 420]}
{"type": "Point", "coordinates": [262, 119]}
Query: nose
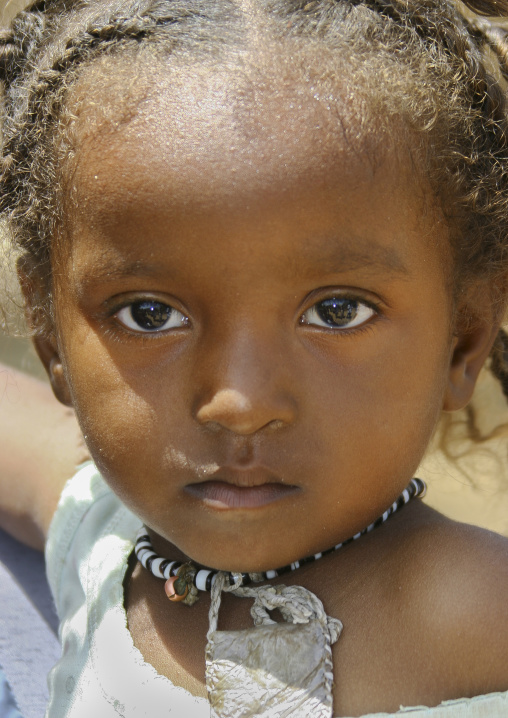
{"type": "Point", "coordinates": [246, 386]}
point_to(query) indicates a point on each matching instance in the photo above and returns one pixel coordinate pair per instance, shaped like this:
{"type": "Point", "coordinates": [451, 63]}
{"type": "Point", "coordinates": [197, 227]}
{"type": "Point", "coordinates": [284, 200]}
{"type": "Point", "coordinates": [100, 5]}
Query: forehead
{"type": "Point", "coordinates": [229, 130]}
{"type": "Point", "coordinates": [229, 150]}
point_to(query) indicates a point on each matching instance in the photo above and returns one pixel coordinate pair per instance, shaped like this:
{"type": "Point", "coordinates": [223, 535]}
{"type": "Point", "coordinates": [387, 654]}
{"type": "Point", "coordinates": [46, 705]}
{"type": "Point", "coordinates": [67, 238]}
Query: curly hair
{"type": "Point", "coordinates": [442, 70]}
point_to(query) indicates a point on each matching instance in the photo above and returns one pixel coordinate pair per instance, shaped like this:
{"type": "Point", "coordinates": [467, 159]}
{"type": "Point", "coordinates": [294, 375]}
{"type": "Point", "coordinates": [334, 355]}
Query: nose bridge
{"type": "Point", "coordinates": [244, 381]}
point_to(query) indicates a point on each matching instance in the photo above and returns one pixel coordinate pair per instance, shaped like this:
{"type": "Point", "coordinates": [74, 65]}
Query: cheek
{"type": "Point", "coordinates": [387, 402]}
{"type": "Point", "coordinates": [116, 416]}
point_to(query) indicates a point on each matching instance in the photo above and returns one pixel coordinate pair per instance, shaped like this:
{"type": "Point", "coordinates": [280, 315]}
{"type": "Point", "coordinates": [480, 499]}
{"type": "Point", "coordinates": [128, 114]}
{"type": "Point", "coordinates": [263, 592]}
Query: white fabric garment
{"type": "Point", "coordinates": [101, 674]}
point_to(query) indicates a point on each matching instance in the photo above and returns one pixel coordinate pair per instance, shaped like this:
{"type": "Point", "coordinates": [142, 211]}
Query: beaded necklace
{"type": "Point", "coordinates": [184, 580]}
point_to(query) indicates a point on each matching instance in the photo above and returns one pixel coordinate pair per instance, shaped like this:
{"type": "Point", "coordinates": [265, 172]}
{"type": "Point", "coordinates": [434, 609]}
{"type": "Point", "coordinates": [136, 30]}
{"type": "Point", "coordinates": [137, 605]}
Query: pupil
{"type": "Point", "coordinates": [150, 315]}
{"type": "Point", "coordinates": [337, 312]}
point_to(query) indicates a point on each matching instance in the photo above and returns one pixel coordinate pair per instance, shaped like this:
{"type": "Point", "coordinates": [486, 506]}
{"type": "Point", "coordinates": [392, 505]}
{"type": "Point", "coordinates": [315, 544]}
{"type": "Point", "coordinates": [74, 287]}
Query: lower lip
{"type": "Point", "coordinates": [221, 495]}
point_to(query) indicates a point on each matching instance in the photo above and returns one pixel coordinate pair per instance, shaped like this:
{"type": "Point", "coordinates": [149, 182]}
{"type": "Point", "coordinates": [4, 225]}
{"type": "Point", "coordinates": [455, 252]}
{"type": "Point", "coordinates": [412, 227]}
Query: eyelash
{"type": "Point", "coordinates": [340, 313]}
{"type": "Point", "coordinates": [333, 300]}
{"type": "Point", "coordinates": [320, 315]}
{"type": "Point", "coordinates": [158, 308]}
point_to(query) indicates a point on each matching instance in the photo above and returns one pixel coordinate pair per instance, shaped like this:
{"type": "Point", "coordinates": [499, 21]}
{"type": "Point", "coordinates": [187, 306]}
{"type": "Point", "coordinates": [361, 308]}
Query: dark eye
{"type": "Point", "coordinates": [338, 313]}
{"type": "Point", "coordinates": [150, 316]}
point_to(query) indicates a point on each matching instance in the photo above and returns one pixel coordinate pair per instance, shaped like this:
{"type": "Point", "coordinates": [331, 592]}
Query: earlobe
{"type": "Point", "coordinates": [470, 350]}
{"type": "Point", "coordinates": [49, 356]}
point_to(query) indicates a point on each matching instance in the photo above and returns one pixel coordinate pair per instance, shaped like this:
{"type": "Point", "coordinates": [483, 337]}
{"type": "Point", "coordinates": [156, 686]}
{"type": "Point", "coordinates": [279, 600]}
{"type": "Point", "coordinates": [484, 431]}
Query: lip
{"type": "Point", "coordinates": [221, 495]}
{"type": "Point", "coordinates": [240, 489]}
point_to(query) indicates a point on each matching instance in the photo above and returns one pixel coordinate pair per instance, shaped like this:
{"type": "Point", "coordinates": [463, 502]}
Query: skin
{"type": "Point", "coordinates": [244, 236]}
{"type": "Point", "coordinates": [44, 441]}
{"type": "Point", "coordinates": [210, 234]}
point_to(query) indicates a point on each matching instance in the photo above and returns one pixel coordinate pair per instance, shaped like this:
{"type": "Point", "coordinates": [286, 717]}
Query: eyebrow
{"type": "Point", "coordinates": [355, 253]}
{"type": "Point", "coordinates": [352, 254]}
{"type": "Point", "coordinates": [108, 268]}
{"type": "Point", "coordinates": [114, 269]}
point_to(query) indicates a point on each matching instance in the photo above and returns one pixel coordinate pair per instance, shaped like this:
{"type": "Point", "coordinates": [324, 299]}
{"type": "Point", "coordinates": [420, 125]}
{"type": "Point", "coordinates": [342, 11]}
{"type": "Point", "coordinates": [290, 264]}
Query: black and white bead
{"type": "Point", "coordinates": [165, 568]}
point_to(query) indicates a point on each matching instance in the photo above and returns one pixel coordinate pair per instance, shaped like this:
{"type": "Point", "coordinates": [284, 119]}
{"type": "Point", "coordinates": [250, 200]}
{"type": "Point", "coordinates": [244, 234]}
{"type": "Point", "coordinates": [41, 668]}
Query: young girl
{"type": "Point", "coordinates": [263, 247]}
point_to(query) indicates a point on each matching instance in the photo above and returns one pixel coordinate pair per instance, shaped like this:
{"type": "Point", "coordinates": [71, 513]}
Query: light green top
{"type": "Point", "coordinates": [101, 673]}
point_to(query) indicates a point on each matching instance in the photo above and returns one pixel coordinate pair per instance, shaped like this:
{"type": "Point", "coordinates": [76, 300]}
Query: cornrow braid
{"type": "Point", "coordinates": [32, 108]}
{"type": "Point", "coordinates": [46, 84]}
{"type": "Point", "coordinates": [499, 361]}
{"type": "Point", "coordinates": [98, 38]}
{"type": "Point", "coordinates": [18, 42]}
{"type": "Point", "coordinates": [496, 38]}
{"type": "Point", "coordinates": [489, 8]}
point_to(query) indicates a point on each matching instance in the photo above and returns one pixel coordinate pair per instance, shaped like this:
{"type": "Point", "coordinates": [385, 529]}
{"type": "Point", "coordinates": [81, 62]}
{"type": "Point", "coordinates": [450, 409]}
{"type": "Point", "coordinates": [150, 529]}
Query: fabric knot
{"type": "Point", "coordinates": [296, 605]}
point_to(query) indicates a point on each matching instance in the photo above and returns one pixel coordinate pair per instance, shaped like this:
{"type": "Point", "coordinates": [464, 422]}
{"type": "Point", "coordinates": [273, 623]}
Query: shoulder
{"type": "Point", "coordinates": [91, 534]}
{"type": "Point", "coordinates": [461, 560]}
{"type": "Point", "coordinates": [457, 576]}
{"type": "Point", "coordinates": [424, 606]}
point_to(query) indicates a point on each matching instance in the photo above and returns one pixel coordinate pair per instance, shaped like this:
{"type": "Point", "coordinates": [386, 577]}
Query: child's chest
{"type": "Point", "coordinates": [370, 660]}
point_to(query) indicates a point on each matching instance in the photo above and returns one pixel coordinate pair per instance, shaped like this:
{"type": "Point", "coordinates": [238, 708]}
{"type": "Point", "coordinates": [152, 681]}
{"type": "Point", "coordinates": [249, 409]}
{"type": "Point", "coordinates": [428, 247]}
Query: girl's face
{"type": "Point", "coordinates": [254, 318]}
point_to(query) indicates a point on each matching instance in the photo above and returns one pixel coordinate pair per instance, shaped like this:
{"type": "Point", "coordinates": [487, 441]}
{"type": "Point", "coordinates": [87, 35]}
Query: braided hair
{"type": "Point", "coordinates": [448, 88]}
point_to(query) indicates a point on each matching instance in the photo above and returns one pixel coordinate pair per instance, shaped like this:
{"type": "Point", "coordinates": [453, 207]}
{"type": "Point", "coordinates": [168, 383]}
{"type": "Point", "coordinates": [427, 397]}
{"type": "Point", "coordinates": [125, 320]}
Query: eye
{"type": "Point", "coordinates": [150, 316]}
{"type": "Point", "coordinates": [338, 313]}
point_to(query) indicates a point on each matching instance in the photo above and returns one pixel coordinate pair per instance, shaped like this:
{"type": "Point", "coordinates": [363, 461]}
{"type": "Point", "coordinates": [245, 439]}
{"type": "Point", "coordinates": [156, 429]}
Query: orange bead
{"type": "Point", "coordinates": [170, 589]}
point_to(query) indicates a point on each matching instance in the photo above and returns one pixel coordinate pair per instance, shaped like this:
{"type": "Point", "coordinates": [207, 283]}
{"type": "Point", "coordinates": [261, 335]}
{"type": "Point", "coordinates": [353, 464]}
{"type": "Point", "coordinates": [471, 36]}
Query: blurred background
{"type": "Point", "coordinates": [8, 8]}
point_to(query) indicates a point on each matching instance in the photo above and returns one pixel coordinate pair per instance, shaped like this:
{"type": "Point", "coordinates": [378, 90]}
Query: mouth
{"type": "Point", "coordinates": [230, 489]}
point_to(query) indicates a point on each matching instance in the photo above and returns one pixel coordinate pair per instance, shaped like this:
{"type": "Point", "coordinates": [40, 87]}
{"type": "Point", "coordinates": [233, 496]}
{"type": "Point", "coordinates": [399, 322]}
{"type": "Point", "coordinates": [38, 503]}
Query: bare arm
{"type": "Point", "coordinates": [40, 447]}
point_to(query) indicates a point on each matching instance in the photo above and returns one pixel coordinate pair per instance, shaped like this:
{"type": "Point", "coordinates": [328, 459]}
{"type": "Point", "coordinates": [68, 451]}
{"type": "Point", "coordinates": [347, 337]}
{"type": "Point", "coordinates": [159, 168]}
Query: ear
{"type": "Point", "coordinates": [35, 293]}
{"type": "Point", "coordinates": [471, 346]}
{"type": "Point", "coordinates": [48, 353]}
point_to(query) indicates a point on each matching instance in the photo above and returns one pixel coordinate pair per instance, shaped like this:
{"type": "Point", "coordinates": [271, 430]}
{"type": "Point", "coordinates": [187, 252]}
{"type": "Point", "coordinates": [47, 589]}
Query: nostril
{"type": "Point", "coordinates": [275, 424]}
{"type": "Point", "coordinates": [231, 409]}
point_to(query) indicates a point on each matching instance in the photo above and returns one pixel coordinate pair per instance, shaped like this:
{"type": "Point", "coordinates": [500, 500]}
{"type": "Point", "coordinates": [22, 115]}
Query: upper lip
{"type": "Point", "coordinates": [244, 477]}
